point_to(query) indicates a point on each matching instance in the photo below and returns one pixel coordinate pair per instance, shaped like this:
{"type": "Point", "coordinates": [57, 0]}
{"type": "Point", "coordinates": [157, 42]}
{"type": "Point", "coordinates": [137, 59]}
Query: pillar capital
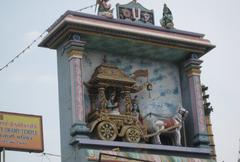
{"type": "Point", "coordinates": [74, 47]}
{"type": "Point", "coordinates": [73, 53]}
{"type": "Point", "coordinates": [192, 67]}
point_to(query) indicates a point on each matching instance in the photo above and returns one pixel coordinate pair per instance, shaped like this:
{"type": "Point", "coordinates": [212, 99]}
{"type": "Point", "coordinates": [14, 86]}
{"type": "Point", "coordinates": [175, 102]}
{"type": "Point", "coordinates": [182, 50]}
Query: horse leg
{"type": "Point", "coordinates": [177, 137]}
{"type": "Point", "coordinates": [158, 125]}
{"type": "Point", "coordinates": [157, 140]}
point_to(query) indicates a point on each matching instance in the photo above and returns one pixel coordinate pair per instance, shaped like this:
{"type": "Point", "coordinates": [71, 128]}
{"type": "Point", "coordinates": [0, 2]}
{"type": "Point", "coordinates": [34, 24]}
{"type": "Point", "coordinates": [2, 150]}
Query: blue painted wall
{"type": "Point", "coordinates": [65, 103]}
{"type": "Point", "coordinates": [166, 93]}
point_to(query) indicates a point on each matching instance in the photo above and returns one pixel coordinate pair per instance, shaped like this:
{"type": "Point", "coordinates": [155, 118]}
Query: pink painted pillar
{"type": "Point", "coordinates": [75, 62]}
{"type": "Point", "coordinates": [192, 69]}
{"type": "Point", "coordinates": [75, 51]}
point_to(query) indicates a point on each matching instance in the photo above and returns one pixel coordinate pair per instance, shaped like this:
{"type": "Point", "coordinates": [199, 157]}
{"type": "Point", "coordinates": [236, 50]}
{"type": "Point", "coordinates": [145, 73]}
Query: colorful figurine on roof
{"type": "Point", "coordinates": [167, 19]}
{"type": "Point", "coordinates": [104, 8]}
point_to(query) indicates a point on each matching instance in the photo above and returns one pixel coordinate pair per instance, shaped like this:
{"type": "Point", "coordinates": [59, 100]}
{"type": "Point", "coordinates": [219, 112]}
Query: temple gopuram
{"type": "Point", "coordinates": [130, 88]}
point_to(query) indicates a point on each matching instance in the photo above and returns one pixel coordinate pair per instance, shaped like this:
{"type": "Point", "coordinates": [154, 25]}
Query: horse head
{"type": "Point", "coordinates": [182, 113]}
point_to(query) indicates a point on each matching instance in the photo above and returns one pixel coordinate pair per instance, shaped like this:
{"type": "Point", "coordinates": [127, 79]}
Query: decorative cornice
{"type": "Point", "coordinates": [190, 151]}
{"type": "Point", "coordinates": [96, 26]}
{"type": "Point", "coordinates": [103, 19]}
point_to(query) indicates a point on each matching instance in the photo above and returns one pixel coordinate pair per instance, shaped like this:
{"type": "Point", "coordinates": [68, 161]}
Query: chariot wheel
{"type": "Point", "coordinates": [133, 135]}
{"type": "Point", "coordinates": [107, 131]}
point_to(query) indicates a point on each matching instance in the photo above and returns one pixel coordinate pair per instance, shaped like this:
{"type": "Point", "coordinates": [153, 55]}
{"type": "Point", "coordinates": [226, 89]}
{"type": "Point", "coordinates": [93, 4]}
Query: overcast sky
{"type": "Point", "coordinates": [30, 84]}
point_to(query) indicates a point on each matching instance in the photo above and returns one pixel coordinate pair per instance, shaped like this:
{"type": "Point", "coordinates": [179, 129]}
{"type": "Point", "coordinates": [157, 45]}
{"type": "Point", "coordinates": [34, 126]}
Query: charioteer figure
{"type": "Point", "coordinates": [112, 106]}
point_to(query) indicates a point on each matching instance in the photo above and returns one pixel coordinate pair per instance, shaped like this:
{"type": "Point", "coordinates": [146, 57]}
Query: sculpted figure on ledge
{"type": "Point", "coordinates": [167, 19]}
{"type": "Point", "coordinates": [104, 9]}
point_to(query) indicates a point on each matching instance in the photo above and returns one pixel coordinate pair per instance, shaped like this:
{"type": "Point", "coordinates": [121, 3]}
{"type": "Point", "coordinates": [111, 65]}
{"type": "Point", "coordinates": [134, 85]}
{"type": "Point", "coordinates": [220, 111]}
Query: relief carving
{"type": "Point", "coordinates": [117, 115]}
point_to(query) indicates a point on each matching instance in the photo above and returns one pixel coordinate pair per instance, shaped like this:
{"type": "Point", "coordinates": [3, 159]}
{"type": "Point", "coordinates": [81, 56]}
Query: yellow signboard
{"type": "Point", "coordinates": [21, 132]}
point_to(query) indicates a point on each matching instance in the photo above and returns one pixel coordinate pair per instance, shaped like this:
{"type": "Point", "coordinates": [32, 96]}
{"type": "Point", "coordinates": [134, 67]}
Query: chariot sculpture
{"type": "Point", "coordinates": [114, 114]}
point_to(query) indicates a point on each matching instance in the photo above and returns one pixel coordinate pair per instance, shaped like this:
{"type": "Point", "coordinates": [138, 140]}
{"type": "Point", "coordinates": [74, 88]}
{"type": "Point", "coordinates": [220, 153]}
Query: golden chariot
{"type": "Point", "coordinates": [122, 122]}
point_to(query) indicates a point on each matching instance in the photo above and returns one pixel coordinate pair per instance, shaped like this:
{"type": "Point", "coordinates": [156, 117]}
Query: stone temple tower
{"type": "Point", "coordinates": [129, 90]}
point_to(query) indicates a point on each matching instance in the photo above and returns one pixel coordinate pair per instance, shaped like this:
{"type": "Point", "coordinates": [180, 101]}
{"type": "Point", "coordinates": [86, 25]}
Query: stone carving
{"type": "Point", "coordinates": [167, 19]}
{"type": "Point", "coordinates": [104, 9]}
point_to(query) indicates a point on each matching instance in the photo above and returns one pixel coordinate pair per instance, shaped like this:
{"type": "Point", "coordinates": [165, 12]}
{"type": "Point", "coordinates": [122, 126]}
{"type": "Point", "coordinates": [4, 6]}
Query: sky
{"type": "Point", "coordinates": [30, 86]}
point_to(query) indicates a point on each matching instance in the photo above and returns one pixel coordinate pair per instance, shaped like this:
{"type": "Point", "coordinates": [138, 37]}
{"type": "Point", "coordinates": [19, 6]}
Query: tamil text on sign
{"type": "Point", "coordinates": [21, 132]}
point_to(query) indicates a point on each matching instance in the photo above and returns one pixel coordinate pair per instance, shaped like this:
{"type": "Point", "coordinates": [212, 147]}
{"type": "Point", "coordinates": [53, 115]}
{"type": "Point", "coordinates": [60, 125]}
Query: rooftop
{"type": "Point", "coordinates": [138, 39]}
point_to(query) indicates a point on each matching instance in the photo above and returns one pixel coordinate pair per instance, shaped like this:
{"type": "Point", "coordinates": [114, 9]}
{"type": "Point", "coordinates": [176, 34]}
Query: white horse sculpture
{"type": "Point", "coordinates": [175, 123]}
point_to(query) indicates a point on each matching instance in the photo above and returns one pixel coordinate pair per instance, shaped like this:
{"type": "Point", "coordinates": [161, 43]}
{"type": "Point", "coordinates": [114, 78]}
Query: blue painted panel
{"type": "Point", "coordinates": [166, 93]}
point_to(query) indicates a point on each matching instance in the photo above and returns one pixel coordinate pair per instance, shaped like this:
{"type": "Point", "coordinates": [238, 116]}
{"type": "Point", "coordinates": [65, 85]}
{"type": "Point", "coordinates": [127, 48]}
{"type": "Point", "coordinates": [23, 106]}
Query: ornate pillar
{"type": "Point", "coordinates": [74, 49]}
{"type": "Point", "coordinates": [192, 69]}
